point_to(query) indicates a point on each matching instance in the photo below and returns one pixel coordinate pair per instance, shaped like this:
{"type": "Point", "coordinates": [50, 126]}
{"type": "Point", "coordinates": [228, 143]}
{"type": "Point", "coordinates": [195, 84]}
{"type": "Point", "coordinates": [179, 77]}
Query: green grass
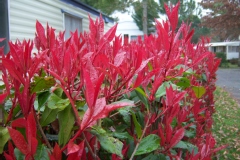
{"type": "Point", "coordinates": [229, 65]}
{"type": "Point", "coordinates": [226, 127]}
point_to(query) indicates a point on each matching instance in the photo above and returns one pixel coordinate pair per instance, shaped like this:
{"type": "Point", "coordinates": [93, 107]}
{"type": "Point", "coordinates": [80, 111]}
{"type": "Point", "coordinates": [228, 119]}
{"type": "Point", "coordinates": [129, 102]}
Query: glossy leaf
{"type": "Point", "coordinates": [199, 91]}
{"type": "Point", "coordinates": [66, 121]}
{"type": "Point", "coordinates": [42, 153]}
{"type": "Point", "coordinates": [177, 137]}
{"type": "Point", "coordinates": [42, 98]}
{"type": "Point", "coordinates": [18, 140]}
{"type": "Point", "coordinates": [2, 97]}
{"type": "Point", "coordinates": [4, 137]}
{"type": "Point", "coordinates": [142, 96]}
{"type": "Point", "coordinates": [56, 102]}
{"type": "Point", "coordinates": [137, 125]}
{"type": "Point", "coordinates": [57, 153]}
{"type": "Point", "coordinates": [155, 157]}
{"type": "Point", "coordinates": [42, 83]}
{"type": "Point", "coordinates": [111, 144]}
{"type": "Point", "coordinates": [18, 154]}
{"type": "Point", "coordinates": [148, 144]}
{"type": "Point", "coordinates": [48, 116]}
{"type": "Point", "coordinates": [184, 82]}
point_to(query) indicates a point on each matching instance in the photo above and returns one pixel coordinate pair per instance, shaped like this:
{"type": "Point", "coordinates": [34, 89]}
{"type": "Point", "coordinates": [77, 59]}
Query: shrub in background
{"type": "Point", "coordinates": [90, 97]}
{"type": "Point", "coordinates": [223, 58]}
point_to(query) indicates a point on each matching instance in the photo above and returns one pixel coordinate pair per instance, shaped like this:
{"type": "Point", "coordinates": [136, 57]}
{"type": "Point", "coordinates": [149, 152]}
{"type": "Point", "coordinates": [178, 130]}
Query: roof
{"type": "Point", "coordinates": [79, 4]}
{"type": "Point", "coordinates": [233, 43]}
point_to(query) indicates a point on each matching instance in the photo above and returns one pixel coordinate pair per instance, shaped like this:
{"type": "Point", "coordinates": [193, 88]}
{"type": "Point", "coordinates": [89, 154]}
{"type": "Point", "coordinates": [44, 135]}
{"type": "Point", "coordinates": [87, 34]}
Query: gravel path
{"type": "Point", "coordinates": [229, 79]}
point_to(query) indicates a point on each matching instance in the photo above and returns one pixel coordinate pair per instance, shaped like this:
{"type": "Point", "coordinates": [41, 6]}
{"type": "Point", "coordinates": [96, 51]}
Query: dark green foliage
{"type": "Point", "coordinates": [223, 57]}
{"type": "Point", "coordinates": [108, 6]}
{"type": "Point", "coordinates": [152, 13]}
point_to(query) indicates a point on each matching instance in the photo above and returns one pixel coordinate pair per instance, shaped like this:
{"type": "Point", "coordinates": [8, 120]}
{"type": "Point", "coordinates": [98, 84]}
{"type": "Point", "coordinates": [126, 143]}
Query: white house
{"type": "Point", "coordinates": [18, 17]}
{"type": "Point", "coordinates": [128, 30]}
{"type": "Point", "coordinates": [230, 48]}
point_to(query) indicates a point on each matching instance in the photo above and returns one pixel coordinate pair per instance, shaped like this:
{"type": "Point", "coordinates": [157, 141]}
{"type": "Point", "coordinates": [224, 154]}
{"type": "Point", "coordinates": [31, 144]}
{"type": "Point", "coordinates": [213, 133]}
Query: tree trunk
{"type": "Point", "coordinates": [145, 29]}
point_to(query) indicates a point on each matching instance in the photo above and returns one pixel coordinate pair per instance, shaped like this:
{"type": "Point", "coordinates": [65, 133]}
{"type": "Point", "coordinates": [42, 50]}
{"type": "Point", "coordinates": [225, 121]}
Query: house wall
{"type": "Point", "coordinates": [128, 28]}
{"type": "Point", "coordinates": [24, 13]}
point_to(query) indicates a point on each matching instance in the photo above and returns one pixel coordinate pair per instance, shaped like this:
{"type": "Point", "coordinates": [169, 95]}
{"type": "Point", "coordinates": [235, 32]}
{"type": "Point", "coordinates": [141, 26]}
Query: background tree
{"type": "Point", "coordinates": [109, 6]}
{"type": "Point", "coordinates": [152, 13]}
{"type": "Point", "coordinates": [224, 18]}
{"type": "Point", "coordinates": [188, 12]}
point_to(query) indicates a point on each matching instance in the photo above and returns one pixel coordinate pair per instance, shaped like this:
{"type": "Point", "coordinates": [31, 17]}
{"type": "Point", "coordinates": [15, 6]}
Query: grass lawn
{"type": "Point", "coordinates": [226, 127]}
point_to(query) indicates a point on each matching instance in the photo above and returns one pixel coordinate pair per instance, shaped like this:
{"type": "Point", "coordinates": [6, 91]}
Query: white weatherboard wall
{"type": "Point", "coordinates": [128, 27]}
{"type": "Point", "coordinates": [24, 13]}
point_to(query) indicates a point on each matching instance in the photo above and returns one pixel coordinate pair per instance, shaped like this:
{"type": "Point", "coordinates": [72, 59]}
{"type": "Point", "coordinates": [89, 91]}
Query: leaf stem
{"type": "Point", "coordinates": [144, 131]}
{"type": "Point", "coordinates": [41, 131]}
{"type": "Point", "coordinates": [89, 147]}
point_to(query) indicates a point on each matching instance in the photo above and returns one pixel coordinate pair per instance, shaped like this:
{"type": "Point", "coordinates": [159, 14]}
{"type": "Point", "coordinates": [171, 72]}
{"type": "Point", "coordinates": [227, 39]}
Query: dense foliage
{"type": "Point", "coordinates": [90, 97]}
{"type": "Point", "coordinates": [109, 6]}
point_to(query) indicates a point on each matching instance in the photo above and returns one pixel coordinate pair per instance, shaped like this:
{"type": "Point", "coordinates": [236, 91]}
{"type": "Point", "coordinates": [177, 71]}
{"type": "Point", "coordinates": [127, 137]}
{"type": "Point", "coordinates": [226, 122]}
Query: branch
{"type": "Point", "coordinates": [41, 131]}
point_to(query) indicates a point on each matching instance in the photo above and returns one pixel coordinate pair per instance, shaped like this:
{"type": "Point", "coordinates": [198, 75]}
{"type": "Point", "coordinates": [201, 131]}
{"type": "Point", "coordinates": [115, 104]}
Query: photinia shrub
{"type": "Point", "coordinates": [91, 97]}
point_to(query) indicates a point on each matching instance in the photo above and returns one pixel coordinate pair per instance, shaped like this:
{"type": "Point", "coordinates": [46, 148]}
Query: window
{"type": "Point", "coordinates": [4, 28]}
{"type": "Point", "coordinates": [232, 48]}
{"type": "Point", "coordinates": [72, 23]}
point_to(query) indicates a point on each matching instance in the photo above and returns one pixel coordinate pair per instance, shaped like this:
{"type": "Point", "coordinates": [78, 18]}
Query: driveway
{"type": "Point", "coordinates": [229, 79]}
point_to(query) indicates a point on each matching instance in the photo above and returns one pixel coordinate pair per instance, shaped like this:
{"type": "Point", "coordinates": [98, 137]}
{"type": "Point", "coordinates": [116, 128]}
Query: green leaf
{"type": "Point", "coordinates": [48, 116]}
{"type": "Point", "coordinates": [186, 145]}
{"type": "Point", "coordinates": [110, 144]}
{"type": "Point", "coordinates": [183, 82]}
{"type": "Point", "coordinates": [41, 153]}
{"type": "Point", "coordinates": [181, 145]}
{"type": "Point", "coordinates": [148, 144]}
{"type": "Point", "coordinates": [137, 125]}
{"type": "Point", "coordinates": [162, 89]}
{"type": "Point", "coordinates": [42, 98]}
{"type": "Point", "coordinates": [4, 137]}
{"type": "Point", "coordinates": [42, 83]}
{"type": "Point", "coordinates": [18, 154]}
{"type": "Point", "coordinates": [142, 96]}
{"type": "Point", "coordinates": [122, 135]}
{"type": "Point", "coordinates": [199, 91]}
{"type": "Point", "coordinates": [155, 157]}
{"type": "Point", "coordinates": [66, 121]}
{"type": "Point", "coordinates": [56, 102]}
{"type": "Point", "coordinates": [125, 114]}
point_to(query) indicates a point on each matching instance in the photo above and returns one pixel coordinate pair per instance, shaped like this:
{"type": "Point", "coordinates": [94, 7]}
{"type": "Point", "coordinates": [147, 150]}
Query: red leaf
{"type": "Point", "coordinates": [89, 90]}
{"type": "Point", "coordinates": [2, 39]}
{"type": "Point", "coordinates": [31, 131]}
{"type": "Point", "coordinates": [56, 154]}
{"type": "Point", "coordinates": [72, 148]}
{"type": "Point", "coordinates": [67, 61]}
{"type": "Point", "coordinates": [8, 157]}
{"type": "Point", "coordinates": [169, 96]}
{"type": "Point", "coordinates": [116, 105]}
{"type": "Point", "coordinates": [189, 36]}
{"type": "Point", "coordinates": [177, 137]}
{"type": "Point", "coordinates": [2, 97]}
{"type": "Point", "coordinates": [110, 34]}
{"type": "Point", "coordinates": [18, 140]}
{"type": "Point", "coordinates": [200, 58]}
{"type": "Point", "coordinates": [41, 33]}
{"type": "Point", "coordinates": [173, 16]}
{"type": "Point", "coordinates": [119, 59]}
{"type": "Point", "coordinates": [10, 66]}
{"type": "Point", "coordinates": [20, 122]}
{"type": "Point", "coordinates": [33, 145]}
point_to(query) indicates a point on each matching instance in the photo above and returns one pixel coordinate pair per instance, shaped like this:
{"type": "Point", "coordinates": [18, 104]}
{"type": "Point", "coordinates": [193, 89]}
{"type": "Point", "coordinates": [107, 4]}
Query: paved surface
{"type": "Point", "coordinates": [229, 79]}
